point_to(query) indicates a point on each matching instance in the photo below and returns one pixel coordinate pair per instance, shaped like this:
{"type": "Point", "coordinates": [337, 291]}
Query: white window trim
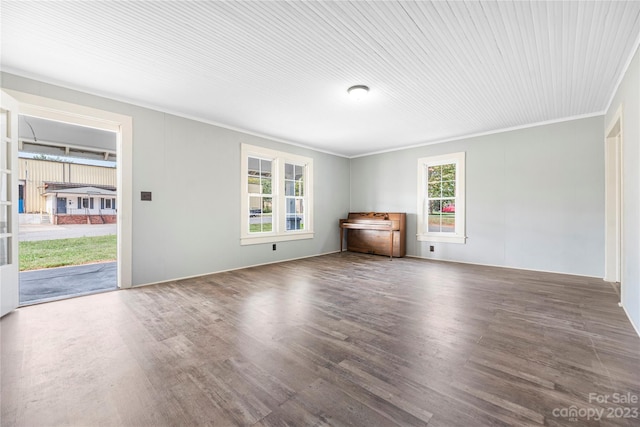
{"type": "Point", "coordinates": [280, 232]}
{"type": "Point", "coordinates": [423, 234]}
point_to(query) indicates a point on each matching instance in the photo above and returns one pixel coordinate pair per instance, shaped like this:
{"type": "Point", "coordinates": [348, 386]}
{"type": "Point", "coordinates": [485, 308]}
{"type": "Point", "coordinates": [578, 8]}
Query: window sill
{"type": "Point", "coordinates": [275, 238]}
{"type": "Point", "coordinates": [439, 238]}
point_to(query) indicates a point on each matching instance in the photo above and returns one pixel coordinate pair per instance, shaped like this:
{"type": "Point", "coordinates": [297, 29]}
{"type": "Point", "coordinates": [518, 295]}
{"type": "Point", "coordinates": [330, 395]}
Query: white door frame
{"type": "Point", "coordinates": [614, 201]}
{"type": "Point", "coordinates": [9, 292]}
{"type": "Point", "coordinates": [52, 109]}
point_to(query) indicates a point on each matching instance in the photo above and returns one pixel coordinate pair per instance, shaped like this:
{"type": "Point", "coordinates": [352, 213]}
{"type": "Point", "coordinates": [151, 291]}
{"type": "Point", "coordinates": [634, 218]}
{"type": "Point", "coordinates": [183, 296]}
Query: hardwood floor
{"type": "Point", "coordinates": [342, 339]}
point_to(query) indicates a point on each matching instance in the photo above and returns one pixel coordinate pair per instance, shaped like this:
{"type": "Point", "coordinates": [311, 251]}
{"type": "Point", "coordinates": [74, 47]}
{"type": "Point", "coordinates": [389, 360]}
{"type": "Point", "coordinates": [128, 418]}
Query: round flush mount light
{"type": "Point", "coordinates": [358, 92]}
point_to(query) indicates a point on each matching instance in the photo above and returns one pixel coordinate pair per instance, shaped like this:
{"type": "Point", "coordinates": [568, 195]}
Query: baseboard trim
{"type": "Point", "coordinates": [229, 269]}
{"type": "Point", "coordinates": [504, 266]}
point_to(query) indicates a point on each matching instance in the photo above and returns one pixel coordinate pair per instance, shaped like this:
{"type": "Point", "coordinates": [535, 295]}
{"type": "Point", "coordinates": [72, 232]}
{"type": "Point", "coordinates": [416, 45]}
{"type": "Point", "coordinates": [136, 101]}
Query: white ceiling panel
{"type": "Point", "coordinates": [437, 70]}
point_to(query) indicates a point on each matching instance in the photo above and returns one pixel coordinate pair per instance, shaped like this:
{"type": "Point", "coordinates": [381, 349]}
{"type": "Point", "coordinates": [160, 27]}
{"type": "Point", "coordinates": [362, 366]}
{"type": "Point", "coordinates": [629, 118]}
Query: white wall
{"type": "Point", "coordinates": [192, 226]}
{"type": "Point", "coordinates": [628, 95]}
{"type": "Point", "coordinates": [535, 197]}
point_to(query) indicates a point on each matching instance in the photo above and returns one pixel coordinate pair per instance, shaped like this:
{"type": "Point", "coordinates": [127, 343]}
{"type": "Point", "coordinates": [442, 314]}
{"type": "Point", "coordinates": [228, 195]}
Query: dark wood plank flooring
{"type": "Point", "coordinates": [342, 339]}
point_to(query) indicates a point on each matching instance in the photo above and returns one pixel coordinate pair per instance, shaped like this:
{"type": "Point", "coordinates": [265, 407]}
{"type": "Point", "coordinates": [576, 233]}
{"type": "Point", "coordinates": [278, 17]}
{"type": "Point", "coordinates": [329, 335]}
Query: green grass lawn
{"type": "Point", "coordinates": [61, 252]}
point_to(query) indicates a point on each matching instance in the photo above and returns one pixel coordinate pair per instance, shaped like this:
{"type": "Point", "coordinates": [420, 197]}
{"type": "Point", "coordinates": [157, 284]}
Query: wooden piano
{"type": "Point", "coordinates": [377, 233]}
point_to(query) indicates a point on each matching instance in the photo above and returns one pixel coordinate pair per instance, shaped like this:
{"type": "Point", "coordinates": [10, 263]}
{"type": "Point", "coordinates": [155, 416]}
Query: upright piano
{"type": "Point", "coordinates": [380, 233]}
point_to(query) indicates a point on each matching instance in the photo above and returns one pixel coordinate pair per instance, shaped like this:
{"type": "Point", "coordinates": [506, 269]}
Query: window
{"type": "Point", "coordinates": [260, 188]}
{"type": "Point", "coordinates": [276, 196]}
{"type": "Point", "coordinates": [85, 202]}
{"type": "Point", "coordinates": [294, 195]}
{"type": "Point", "coordinates": [441, 198]}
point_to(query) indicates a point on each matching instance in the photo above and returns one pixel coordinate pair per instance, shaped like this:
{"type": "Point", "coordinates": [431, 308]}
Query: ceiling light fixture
{"type": "Point", "coordinates": [358, 92]}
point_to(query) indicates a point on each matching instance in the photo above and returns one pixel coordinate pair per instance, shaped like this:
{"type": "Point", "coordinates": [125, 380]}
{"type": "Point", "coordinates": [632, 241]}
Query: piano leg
{"type": "Point", "coordinates": [391, 245]}
{"type": "Point", "coordinates": [341, 237]}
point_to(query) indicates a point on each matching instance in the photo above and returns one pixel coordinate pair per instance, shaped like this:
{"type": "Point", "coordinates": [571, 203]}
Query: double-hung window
{"type": "Point", "coordinates": [277, 199]}
{"type": "Point", "coordinates": [441, 198]}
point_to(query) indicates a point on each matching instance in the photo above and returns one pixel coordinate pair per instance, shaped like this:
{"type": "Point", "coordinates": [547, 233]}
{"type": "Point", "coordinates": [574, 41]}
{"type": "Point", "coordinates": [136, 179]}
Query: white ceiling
{"type": "Point", "coordinates": [437, 70]}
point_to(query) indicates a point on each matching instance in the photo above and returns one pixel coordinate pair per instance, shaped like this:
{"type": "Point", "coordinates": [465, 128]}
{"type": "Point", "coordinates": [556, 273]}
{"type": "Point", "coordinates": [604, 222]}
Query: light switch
{"type": "Point", "coordinates": [145, 195]}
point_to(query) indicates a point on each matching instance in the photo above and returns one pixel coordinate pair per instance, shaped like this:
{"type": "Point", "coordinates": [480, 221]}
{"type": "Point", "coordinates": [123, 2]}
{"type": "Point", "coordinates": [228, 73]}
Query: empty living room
{"type": "Point", "coordinates": [331, 213]}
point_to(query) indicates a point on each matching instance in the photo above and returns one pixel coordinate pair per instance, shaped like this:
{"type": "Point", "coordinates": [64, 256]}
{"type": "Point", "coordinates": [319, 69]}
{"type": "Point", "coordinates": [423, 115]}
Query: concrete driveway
{"type": "Point", "coordinates": [50, 284]}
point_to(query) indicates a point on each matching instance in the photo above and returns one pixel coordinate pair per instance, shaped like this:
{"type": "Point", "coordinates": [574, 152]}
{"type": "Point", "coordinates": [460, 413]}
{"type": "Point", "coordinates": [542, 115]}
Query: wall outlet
{"type": "Point", "coordinates": [432, 248]}
{"type": "Point", "coordinates": [273, 247]}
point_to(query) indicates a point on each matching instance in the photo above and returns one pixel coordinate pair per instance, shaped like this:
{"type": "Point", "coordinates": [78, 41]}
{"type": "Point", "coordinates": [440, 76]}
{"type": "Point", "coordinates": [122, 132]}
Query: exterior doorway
{"type": "Point", "coordinates": [121, 125]}
{"type": "Point", "coordinates": [67, 233]}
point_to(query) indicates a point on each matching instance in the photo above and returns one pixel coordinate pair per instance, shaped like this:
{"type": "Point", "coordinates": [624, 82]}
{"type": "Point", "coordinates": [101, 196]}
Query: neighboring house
{"type": "Point", "coordinates": [88, 189]}
{"type": "Point", "coordinates": [81, 201]}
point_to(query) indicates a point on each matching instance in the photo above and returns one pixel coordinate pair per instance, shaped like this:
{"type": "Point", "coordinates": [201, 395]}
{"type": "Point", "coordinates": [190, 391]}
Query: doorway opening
{"type": "Point", "coordinates": [613, 204]}
{"type": "Point", "coordinates": [35, 106]}
{"type": "Point", "coordinates": [68, 216]}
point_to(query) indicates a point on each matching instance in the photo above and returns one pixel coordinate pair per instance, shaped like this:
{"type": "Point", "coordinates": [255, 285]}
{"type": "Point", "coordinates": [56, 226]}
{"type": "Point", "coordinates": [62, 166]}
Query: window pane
{"type": "Point", "coordinates": [267, 204]}
{"type": "Point", "coordinates": [260, 224]}
{"type": "Point", "coordinates": [4, 219]}
{"type": "Point", "coordinates": [255, 208]}
{"type": "Point", "coordinates": [448, 214]}
{"type": "Point", "coordinates": [265, 168]}
{"type": "Point", "coordinates": [288, 171]}
{"type": "Point", "coordinates": [434, 173]}
{"type": "Point", "coordinates": [434, 215]}
{"type": "Point", "coordinates": [5, 247]}
{"type": "Point", "coordinates": [295, 222]}
{"type": "Point", "coordinates": [434, 223]}
{"type": "Point", "coordinates": [434, 207]}
{"type": "Point", "coordinates": [299, 206]}
{"type": "Point", "coordinates": [254, 166]}
{"type": "Point", "coordinates": [435, 189]}
{"type": "Point", "coordinates": [300, 188]}
{"type": "Point", "coordinates": [260, 218]}
{"type": "Point", "coordinates": [5, 242]}
{"type": "Point", "coordinates": [291, 205]}
{"type": "Point", "coordinates": [449, 172]}
{"type": "Point", "coordinates": [299, 172]}
{"type": "Point", "coordinates": [253, 184]}
{"type": "Point", "coordinates": [448, 223]}
{"type": "Point", "coordinates": [289, 188]}
{"type": "Point", "coordinates": [449, 189]}
{"type": "Point", "coordinates": [267, 223]}
{"type": "Point", "coordinates": [4, 186]}
{"type": "Point", "coordinates": [266, 185]}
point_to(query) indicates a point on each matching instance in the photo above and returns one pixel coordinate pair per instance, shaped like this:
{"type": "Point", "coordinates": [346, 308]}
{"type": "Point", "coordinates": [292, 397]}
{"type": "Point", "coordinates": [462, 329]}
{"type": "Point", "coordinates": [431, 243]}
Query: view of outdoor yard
{"type": "Point", "coordinates": [64, 252]}
{"type": "Point", "coordinates": [441, 198]}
